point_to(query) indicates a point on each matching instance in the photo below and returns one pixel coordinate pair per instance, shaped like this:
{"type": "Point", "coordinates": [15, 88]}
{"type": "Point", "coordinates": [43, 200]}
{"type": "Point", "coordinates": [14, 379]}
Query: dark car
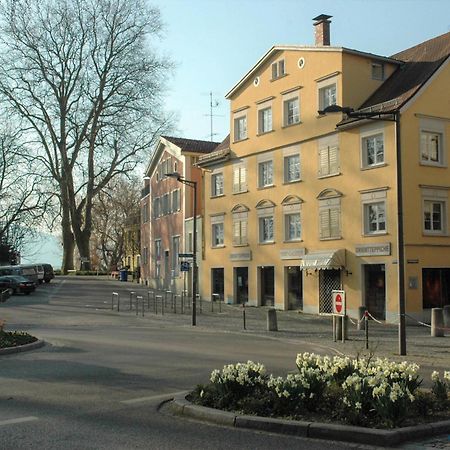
{"type": "Point", "coordinates": [48, 272]}
{"type": "Point", "coordinates": [16, 284]}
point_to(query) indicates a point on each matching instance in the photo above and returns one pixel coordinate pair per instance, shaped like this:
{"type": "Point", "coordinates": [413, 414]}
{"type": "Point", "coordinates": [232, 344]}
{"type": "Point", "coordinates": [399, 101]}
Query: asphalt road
{"type": "Point", "coordinates": [100, 380]}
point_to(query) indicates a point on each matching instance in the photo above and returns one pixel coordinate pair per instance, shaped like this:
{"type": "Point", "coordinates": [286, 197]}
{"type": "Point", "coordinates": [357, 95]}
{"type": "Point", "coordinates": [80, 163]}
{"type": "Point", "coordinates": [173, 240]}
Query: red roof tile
{"type": "Point", "coordinates": [192, 145]}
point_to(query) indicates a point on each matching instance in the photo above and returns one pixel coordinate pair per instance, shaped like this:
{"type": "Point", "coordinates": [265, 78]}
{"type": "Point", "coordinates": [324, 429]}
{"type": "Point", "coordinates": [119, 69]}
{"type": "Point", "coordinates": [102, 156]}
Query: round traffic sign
{"type": "Point", "coordinates": [338, 303]}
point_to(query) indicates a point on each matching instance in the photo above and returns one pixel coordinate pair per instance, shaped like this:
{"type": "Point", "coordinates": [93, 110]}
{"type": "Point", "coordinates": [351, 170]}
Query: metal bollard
{"type": "Point", "coordinates": [437, 322]}
{"type": "Point", "coordinates": [366, 323]}
{"type": "Point", "coordinates": [162, 303]}
{"type": "Point", "coordinates": [175, 303]}
{"type": "Point", "coordinates": [131, 299]}
{"type": "Point", "coordinates": [165, 297]}
{"type": "Point", "coordinates": [272, 323]}
{"type": "Point", "coordinates": [213, 299]}
{"type": "Point", "coordinates": [199, 302]}
{"type": "Point", "coordinates": [139, 297]}
{"type": "Point", "coordinates": [361, 314]}
{"type": "Point", "coordinates": [243, 314]}
{"type": "Point", "coordinates": [114, 294]}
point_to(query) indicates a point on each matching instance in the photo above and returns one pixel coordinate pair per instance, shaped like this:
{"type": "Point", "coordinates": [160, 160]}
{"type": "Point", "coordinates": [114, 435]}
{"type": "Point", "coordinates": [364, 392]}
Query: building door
{"type": "Point", "coordinates": [329, 281]}
{"type": "Point", "coordinates": [436, 287]}
{"type": "Point", "coordinates": [375, 290]}
{"type": "Point", "coordinates": [241, 284]}
{"type": "Point", "coordinates": [267, 283]}
{"type": "Point", "coordinates": [217, 282]}
{"type": "Point", "coordinates": [294, 287]}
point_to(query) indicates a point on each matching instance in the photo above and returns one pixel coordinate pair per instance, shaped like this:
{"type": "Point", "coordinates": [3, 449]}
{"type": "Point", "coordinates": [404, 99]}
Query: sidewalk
{"type": "Point", "coordinates": [430, 353]}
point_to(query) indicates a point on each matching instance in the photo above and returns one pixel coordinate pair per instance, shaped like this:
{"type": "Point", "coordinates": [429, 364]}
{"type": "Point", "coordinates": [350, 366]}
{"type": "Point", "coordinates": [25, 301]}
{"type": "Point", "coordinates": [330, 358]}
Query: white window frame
{"type": "Point", "coordinates": [240, 178]}
{"type": "Point", "coordinates": [278, 69]}
{"type": "Point", "coordinates": [215, 192]}
{"type": "Point", "coordinates": [368, 134]}
{"type": "Point", "coordinates": [265, 124]}
{"type": "Point", "coordinates": [366, 215]}
{"type": "Point", "coordinates": [375, 67]}
{"type": "Point", "coordinates": [324, 95]}
{"type": "Point", "coordinates": [328, 156]}
{"type": "Point", "coordinates": [430, 196]}
{"type": "Point", "coordinates": [217, 231]}
{"type": "Point", "coordinates": [368, 199]}
{"type": "Point", "coordinates": [287, 228]}
{"type": "Point", "coordinates": [286, 165]}
{"type": "Point", "coordinates": [261, 222]}
{"type": "Point", "coordinates": [265, 173]}
{"type": "Point", "coordinates": [431, 126]}
{"type": "Point", "coordinates": [240, 131]}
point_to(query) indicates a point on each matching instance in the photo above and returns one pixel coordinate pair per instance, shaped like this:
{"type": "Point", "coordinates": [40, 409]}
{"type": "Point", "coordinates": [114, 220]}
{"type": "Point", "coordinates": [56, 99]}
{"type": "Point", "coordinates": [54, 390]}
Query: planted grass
{"type": "Point", "coordinates": [368, 392]}
{"type": "Point", "coordinates": [15, 338]}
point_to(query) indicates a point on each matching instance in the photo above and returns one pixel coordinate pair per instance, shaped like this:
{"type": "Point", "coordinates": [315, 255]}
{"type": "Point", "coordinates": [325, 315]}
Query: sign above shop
{"type": "Point", "coordinates": [373, 249]}
{"type": "Point", "coordinates": [245, 255]}
{"type": "Point", "coordinates": [292, 253]}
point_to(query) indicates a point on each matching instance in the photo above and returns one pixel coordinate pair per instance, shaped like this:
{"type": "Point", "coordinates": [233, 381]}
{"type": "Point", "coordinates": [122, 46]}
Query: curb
{"type": "Point", "coordinates": [22, 348]}
{"type": "Point", "coordinates": [315, 430]}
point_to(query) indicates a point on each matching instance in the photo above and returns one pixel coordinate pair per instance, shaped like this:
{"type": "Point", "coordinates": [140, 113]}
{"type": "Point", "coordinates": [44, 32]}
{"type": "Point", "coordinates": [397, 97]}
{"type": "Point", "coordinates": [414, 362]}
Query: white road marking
{"type": "Point", "coordinates": [18, 420]}
{"type": "Point", "coordinates": [152, 398]}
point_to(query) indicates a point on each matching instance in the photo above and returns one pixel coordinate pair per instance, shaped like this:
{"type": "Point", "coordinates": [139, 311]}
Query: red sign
{"type": "Point", "coordinates": [338, 303]}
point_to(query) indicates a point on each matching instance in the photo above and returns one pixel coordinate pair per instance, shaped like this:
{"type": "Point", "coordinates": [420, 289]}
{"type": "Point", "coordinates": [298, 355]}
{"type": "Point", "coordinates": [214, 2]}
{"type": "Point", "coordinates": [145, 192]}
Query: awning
{"type": "Point", "coordinates": [324, 259]}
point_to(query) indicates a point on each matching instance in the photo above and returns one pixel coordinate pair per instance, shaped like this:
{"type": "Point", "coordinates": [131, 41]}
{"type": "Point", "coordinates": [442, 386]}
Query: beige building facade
{"type": "Point", "coordinates": [299, 204]}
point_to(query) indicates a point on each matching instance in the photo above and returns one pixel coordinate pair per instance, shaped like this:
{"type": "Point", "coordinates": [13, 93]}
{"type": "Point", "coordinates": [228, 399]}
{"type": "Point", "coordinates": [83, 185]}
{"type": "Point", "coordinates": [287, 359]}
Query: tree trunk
{"type": "Point", "coordinates": [68, 247]}
{"type": "Point", "coordinates": [83, 246]}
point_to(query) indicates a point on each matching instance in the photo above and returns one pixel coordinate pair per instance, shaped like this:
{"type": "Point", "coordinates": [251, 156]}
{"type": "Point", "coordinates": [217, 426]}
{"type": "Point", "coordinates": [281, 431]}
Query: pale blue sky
{"type": "Point", "coordinates": [215, 42]}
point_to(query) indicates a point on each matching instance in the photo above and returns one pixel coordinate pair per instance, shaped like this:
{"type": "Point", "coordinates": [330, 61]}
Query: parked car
{"type": "Point", "coordinates": [29, 271]}
{"type": "Point", "coordinates": [40, 273]}
{"type": "Point", "coordinates": [49, 274]}
{"type": "Point", "coordinates": [16, 284]}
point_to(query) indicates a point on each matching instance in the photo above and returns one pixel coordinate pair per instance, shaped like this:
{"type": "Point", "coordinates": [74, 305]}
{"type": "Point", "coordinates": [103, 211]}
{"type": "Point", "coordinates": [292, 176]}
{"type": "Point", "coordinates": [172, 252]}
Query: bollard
{"type": "Point", "coordinates": [339, 321]}
{"type": "Point", "coordinates": [156, 304]}
{"type": "Point", "coordinates": [112, 300]}
{"type": "Point", "coordinates": [366, 324]}
{"type": "Point", "coordinates": [437, 322]}
{"type": "Point", "coordinates": [243, 315]}
{"type": "Point", "coordinates": [199, 302]}
{"type": "Point", "coordinates": [137, 304]}
{"type": "Point", "coordinates": [165, 298]}
{"type": "Point", "coordinates": [272, 324]}
{"type": "Point", "coordinates": [361, 318]}
{"type": "Point", "coordinates": [334, 327]}
{"type": "Point", "coordinates": [214, 298]}
{"type": "Point", "coordinates": [175, 303]}
{"type": "Point", "coordinates": [447, 316]}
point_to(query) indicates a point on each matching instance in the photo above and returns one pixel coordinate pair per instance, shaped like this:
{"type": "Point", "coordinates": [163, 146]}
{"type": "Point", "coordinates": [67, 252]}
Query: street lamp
{"type": "Point", "coordinates": [193, 185]}
{"type": "Point", "coordinates": [390, 116]}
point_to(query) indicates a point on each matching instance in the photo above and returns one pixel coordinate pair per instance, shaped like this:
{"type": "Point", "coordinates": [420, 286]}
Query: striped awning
{"type": "Point", "coordinates": [324, 259]}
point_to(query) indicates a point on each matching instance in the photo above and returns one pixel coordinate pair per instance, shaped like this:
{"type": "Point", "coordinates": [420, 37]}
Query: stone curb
{"type": "Point", "coordinates": [336, 432]}
{"type": "Point", "coordinates": [22, 348]}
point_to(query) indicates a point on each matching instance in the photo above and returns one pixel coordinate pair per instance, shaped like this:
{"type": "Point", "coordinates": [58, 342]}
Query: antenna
{"type": "Point", "coordinates": [213, 103]}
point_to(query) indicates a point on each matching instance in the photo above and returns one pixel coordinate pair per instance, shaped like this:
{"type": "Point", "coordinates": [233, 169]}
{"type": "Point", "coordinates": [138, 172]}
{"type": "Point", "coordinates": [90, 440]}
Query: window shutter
{"type": "Point", "coordinates": [236, 179]}
{"type": "Point", "coordinates": [334, 223]}
{"type": "Point", "coordinates": [236, 232]}
{"type": "Point", "coordinates": [243, 231]}
{"type": "Point", "coordinates": [323, 161]}
{"type": "Point", "coordinates": [324, 224]}
{"type": "Point", "coordinates": [333, 153]}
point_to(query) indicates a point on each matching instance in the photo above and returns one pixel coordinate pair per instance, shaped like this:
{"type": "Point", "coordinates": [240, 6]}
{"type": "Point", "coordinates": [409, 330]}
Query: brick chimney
{"type": "Point", "coordinates": [322, 29]}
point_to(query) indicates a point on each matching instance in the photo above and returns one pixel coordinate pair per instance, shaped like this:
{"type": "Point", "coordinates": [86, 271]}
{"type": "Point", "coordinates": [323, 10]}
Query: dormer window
{"type": "Point", "coordinates": [377, 71]}
{"type": "Point", "coordinates": [278, 69]}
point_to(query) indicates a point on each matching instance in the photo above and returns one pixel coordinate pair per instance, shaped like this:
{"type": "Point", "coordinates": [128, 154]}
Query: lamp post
{"type": "Point", "coordinates": [193, 185]}
{"type": "Point", "coordinates": [390, 116]}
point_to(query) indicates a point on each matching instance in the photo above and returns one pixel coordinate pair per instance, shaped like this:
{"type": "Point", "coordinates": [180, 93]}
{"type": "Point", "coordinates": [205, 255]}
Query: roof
{"type": "Point", "coordinates": [220, 153]}
{"type": "Point", "coordinates": [420, 63]}
{"type": "Point", "coordinates": [192, 145]}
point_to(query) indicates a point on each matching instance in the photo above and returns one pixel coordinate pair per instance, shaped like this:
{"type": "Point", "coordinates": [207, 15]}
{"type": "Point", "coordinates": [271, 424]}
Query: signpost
{"type": "Point", "coordinates": [185, 255]}
{"type": "Point", "coordinates": [185, 266]}
{"type": "Point", "coordinates": [338, 298]}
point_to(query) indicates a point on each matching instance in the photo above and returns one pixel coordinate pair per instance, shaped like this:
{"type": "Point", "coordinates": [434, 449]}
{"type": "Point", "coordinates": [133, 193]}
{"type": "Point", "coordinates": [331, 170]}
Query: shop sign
{"type": "Point", "coordinates": [292, 253]}
{"type": "Point", "coordinates": [241, 256]}
{"type": "Point", "coordinates": [373, 249]}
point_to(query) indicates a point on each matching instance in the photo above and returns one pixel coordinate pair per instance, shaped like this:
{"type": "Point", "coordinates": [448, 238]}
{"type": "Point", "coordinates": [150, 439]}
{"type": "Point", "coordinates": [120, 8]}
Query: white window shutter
{"type": "Point", "coordinates": [335, 222]}
{"type": "Point", "coordinates": [323, 161]}
{"type": "Point", "coordinates": [324, 224]}
{"type": "Point", "coordinates": [334, 159]}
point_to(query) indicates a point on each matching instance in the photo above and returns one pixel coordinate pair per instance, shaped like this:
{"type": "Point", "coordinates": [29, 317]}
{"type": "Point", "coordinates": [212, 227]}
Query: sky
{"type": "Point", "coordinates": [214, 43]}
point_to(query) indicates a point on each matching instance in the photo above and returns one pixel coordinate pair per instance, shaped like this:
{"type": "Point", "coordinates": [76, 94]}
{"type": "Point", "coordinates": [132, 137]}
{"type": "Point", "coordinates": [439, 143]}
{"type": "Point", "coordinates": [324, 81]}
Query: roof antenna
{"type": "Point", "coordinates": [213, 103]}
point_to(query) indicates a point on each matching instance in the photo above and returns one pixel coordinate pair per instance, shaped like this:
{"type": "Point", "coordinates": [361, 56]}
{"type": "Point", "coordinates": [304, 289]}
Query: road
{"type": "Point", "coordinates": [100, 379]}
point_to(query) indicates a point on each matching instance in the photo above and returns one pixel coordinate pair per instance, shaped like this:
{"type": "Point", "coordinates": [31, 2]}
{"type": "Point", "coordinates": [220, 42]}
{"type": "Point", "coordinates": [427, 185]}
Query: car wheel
{"type": "Point", "coordinates": [10, 291]}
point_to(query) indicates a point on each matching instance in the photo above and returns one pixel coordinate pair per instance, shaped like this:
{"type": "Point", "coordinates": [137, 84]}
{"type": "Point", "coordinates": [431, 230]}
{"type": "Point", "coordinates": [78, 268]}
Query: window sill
{"type": "Point", "coordinates": [434, 234]}
{"type": "Point", "coordinates": [240, 140]}
{"type": "Point", "coordinates": [261, 188]}
{"type": "Point", "coordinates": [240, 192]}
{"type": "Point", "coordinates": [267, 243]}
{"type": "Point", "coordinates": [329, 175]}
{"type": "Point", "coordinates": [292, 182]}
{"type": "Point", "coordinates": [291, 125]}
{"type": "Point", "coordinates": [437, 165]}
{"type": "Point", "coordinates": [217, 246]}
{"type": "Point", "coordinates": [374, 166]}
{"type": "Point", "coordinates": [240, 245]}
{"type": "Point", "coordinates": [262, 133]}
{"type": "Point", "coordinates": [337, 238]}
{"type": "Point", "coordinates": [381, 233]}
{"type": "Point", "coordinates": [217, 196]}
{"type": "Point", "coordinates": [278, 78]}
{"type": "Point", "coordinates": [289, 241]}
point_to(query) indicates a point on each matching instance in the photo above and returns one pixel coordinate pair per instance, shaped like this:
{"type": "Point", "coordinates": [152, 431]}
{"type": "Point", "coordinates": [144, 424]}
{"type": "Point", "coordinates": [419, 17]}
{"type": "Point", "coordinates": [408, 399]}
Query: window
{"type": "Point", "coordinates": [239, 178]}
{"type": "Point", "coordinates": [433, 216]}
{"type": "Point", "coordinates": [375, 217]}
{"type": "Point", "coordinates": [145, 256]}
{"type": "Point", "coordinates": [330, 214]}
{"type": "Point", "coordinates": [156, 208]}
{"type": "Point", "coordinates": [377, 71]}
{"type": "Point", "coordinates": [293, 231]}
{"type": "Point", "coordinates": [175, 252]}
{"type": "Point", "coordinates": [217, 234]}
{"type": "Point", "coordinates": [240, 128]}
{"type": "Point", "coordinates": [431, 148]}
{"type": "Point", "coordinates": [265, 120]}
{"type": "Point", "coordinates": [176, 200]}
{"type": "Point", "coordinates": [265, 173]}
{"type": "Point", "coordinates": [157, 258]}
{"type": "Point", "coordinates": [266, 229]}
{"type": "Point", "coordinates": [372, 150]}
{"type": "Point", "coordinates": [217, 184]}
{"type": "Point", "coordinates": [278, 69]}
{"type": "Point", "coordinates": [145, 216]}
{"type": "Point", "coordinates": [328, 161]}
{"type": "Point", "coordinates": [327, 96]}
{"type": "Point", "coordinates": [165, 204]}
{"type": "Point", "coordinates": [291, 168]}
{"type": "Point", "coordinates": [240, 218]}
{"type": "Point", "coordinates": [291, 111]}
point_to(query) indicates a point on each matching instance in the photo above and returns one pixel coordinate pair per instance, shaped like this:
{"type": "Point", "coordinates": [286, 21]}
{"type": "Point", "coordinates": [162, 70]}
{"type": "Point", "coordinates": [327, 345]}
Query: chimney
{"type": "Point", "coordinates": [322, 29]}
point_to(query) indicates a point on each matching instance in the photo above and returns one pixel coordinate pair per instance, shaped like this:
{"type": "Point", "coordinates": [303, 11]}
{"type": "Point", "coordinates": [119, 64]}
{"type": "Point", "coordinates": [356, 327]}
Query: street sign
{"type": "Point", "coordinates": [338, 302]}
{"type": "Point", "coordinates": [184, 266]}
{"type": "Point", "coordinates": [185, 255]}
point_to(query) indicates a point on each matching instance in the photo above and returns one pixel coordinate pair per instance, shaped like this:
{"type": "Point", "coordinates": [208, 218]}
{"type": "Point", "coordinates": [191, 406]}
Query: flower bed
{"type": "Point", "coordinates": [15, 338]}
{"type": "Point", "coordinates": [363, 391]}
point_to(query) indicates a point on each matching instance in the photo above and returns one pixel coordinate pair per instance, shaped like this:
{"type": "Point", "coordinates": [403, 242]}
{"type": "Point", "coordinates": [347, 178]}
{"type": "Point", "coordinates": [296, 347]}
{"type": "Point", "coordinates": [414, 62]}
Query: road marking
{"type": "Point", "coordinates": [152, 398]}
{"type": "Point", "coordinates": [19, 420]}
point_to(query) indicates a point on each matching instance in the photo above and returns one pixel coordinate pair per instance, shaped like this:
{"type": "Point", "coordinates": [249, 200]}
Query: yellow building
{"type": "Point", "coordinates": [298, 204]}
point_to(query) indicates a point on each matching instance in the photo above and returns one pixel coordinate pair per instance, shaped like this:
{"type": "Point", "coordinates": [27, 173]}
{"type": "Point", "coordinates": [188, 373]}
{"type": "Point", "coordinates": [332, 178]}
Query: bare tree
{"type": "Point", "coordinates": [83, 75]}
{"type": "Point", "coordinates": [114, 209]}
{"type": "Point", "coordinates": [23, 201]}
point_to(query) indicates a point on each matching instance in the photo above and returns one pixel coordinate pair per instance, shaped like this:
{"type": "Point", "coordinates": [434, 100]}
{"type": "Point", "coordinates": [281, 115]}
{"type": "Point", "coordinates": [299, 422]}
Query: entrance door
{"type": "Point", "coordinates": [241, 284]}
{"type": "Point", "coordinates": [329, 281]}
{"type": "Point", "coordinates": [375, 290]}
{"type": "Point", "coordinates": [267, 279]}
{"type": "Point", "coordinates": [217, 282]}
{"type": "Point", "coordinates": [294, 287]}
